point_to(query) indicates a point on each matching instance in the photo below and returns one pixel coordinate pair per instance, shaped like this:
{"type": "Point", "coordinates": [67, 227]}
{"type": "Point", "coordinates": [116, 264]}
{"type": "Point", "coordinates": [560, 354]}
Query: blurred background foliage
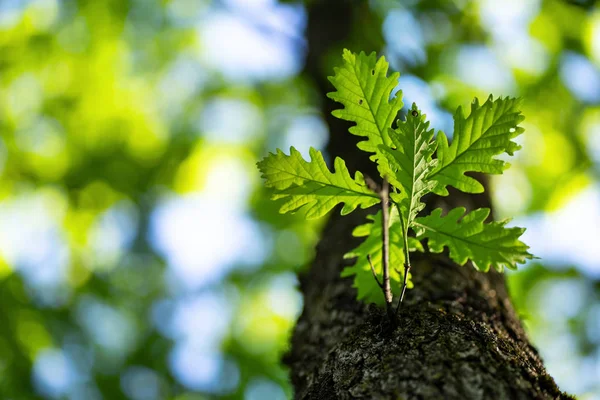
{"type": "Point", "coordinates": [140, 258]}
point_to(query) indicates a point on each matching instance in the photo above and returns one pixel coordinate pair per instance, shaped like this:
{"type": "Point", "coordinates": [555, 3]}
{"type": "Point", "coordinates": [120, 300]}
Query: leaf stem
{"type": "Point", "coordinates": [385, 215]}
{"type": "Point", "coordinates": [373, 271]}
{"type": "Point", "coordinates": [406, 258]}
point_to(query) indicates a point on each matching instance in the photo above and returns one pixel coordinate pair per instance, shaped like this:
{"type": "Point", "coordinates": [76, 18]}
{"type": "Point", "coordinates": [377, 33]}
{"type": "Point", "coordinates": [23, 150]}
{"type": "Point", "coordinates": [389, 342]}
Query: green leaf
{"type": "Point", "coordinates": [405, 158]}
{"type": "Point", "coordinates": [363, 277]}
{"type": "Point", "coordinates": [485, 133]}
{"type": "Point", "coordinates": [407, 165]}
{"type": "Point", "coordinates": [311, 185]}
{"type": "Point", "coordinates": [364, 89]}
{"type": "Point", "coordinates": [470, 239]}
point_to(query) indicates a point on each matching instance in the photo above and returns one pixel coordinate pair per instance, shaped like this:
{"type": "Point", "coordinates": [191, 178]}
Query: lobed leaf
{"type": "Point", "coordinates": [487, 132]}
{"type": "Point", "coordinates": [407, 165]}
{"type": "Point", "coordinates": [405, 157]}
{"type": "Point", "coordinates": [364, 89]}
{"type": "Point", "coordinates": [310, 184]}
{"type": "Point", "coordinates": [469, 238]}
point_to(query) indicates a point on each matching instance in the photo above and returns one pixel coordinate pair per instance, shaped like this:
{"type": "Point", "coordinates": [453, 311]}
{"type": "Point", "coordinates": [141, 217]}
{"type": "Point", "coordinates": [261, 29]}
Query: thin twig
{"type": "Point", "coordinates": [371, 184]}
{"type": "Point", "coordinates": [373, 271]}
{"type": "Point", "coordinates": [387, 289]}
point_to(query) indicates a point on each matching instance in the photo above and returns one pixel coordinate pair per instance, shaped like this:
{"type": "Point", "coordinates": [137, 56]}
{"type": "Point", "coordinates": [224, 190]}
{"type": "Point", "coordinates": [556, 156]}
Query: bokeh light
{"type": "Point", "coordinates": [140, 257]}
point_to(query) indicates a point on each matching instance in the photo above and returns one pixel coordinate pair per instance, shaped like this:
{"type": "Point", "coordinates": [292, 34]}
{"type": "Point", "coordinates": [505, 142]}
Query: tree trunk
{"type": "Point", "coordinates": [458, 336]}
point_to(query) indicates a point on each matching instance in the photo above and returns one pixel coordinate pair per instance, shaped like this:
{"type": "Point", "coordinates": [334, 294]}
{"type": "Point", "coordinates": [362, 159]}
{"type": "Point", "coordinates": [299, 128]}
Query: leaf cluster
{"type": "Point", "coordinates": [415, 162]}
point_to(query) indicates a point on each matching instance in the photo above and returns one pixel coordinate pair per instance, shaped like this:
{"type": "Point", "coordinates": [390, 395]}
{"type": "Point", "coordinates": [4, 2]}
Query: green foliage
{"type": "Point", "coordinates": [407, 164]}
{"type": "Point", "coordinates": [366, 286]}
{"type": "Point", "coordinates": [364, 88]}
{"type": "Point", "coordinates": [469, 238]}
{"type": "Point", "coordinates": [311, 185]}
{"type": "Point", "coordinates": [415, 164]}
{"type": "Point", "coordinates": [485, 133]}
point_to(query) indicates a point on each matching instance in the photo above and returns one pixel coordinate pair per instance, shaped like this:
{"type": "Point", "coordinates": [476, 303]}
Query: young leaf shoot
{"type": "Point", "coordinates": [411, 163]}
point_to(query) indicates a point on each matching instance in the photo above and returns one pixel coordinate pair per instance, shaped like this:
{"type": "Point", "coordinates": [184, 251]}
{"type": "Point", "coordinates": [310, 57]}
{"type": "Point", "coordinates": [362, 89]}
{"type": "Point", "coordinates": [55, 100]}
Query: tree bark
{"type": "Point", "coordinates": [458, 336]}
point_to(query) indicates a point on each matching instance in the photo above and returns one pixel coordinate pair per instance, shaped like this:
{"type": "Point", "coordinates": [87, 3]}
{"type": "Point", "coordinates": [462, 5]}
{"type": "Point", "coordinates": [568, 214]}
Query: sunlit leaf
{"type": "Point", "coordinates": [487, 132]}
{"type": "Point", "coordinates": [311, 185]}
{"type": "Point", "coordinates": [408, 163]}
{"type": "Point", "coordinates": [364, 89]}
{"type": "Point", "coordinates": [469, 238]}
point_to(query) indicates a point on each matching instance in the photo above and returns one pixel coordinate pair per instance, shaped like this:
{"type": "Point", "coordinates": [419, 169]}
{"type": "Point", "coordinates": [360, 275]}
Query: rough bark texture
{"type": "Point", "coordinates": [458, 336]}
